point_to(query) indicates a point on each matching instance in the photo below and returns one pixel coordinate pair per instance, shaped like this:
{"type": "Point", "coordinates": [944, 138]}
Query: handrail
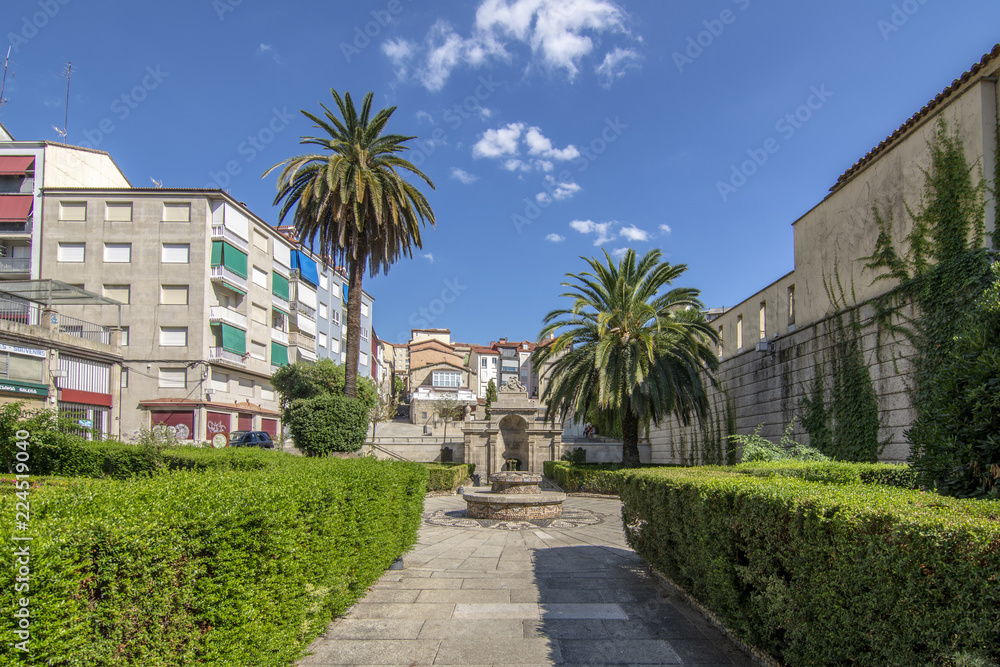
{"type": "Point", "coordinates": [386, 451]}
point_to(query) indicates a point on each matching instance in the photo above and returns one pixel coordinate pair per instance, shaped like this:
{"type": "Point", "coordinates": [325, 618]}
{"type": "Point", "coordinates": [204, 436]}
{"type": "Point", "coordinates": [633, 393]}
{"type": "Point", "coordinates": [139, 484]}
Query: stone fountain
{"type": "Point", "coordinates": [514, 496]}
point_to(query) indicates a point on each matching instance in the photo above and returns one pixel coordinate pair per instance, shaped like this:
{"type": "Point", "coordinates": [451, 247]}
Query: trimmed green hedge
{"type": "Point", "coordinates": [328, 423]}
{"type": "Point", "coordinates": [220, 567]}
{"type": "Point", "coordinates": [836, 472]}
{"type": "Point", "coordinates": [602, 478]}
{"type": "Point", "coordinates": [447, 477]}
{"type": "Point", "coordinates": [826, 574]}
{"type": "Point", "coordinates": [228, 458]}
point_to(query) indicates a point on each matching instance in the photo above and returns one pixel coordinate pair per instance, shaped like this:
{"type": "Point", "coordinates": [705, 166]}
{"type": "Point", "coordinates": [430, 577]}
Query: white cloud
{"type": "Point", "coordinates": [633, 233]}
{"type": "Point", "coordinates": [540, 145]}
{"type": "Point", "coordinates": [516, 165]}
{"type": "Point", "coordinates": [423, 115]}
{"type": "Point", "coordinates": [618, 253]}
{"type": "Point", "coordinates": [268, 50]}
{"type": "Point", "coordinates": [463, 176]}
{"type": "Point", "coordinates": [665, 229]}
{"type": "Point", "coordinates": [559, 33]}
{"type": "Point", "coordinates": [555, 238]}
{"type": "Point", "coordinates": [485, 113]}
{"type": "Point", "coordinates": [616, 64]}
{"type": "Point", "coordinates": [264, 48]}
{"type": "Point", "coordinates": [428, 256]}
{"type": "Point", "coordinates": [499, 142]}
{"type": "Point", "coordinates": [601, 230]}
{"type": "Point", "coordinates": [543, 198]}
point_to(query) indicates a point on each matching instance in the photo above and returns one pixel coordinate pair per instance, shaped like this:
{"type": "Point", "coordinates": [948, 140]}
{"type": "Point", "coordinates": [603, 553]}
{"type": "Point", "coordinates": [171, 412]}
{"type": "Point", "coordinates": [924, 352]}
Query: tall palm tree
{"type": "Point", "coordinates": [625, 349]}
{"type": "Point", "coordinates": [354, 198]}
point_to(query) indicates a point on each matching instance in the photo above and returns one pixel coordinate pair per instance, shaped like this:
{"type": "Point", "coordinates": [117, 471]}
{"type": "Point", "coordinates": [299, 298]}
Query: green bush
{"type": "Point", "coordinates": [754, 448]}
{"type": "Point", "coordinates": [447, 477]}
{"type": "Point", "coordinates": [825, 574]}
{"type": "Point", "coordinates": [221, 567]}
{"type": "Point", "coordinates": [603, 478]}
{"type": "Point", "coordinates": [228, 458]}
{"type": "Point", "coordinates": [328, 423]}
{"type": "Point", "coordinates": [956, 440]}
{"type": "Point", "coordinates": [836, 472]}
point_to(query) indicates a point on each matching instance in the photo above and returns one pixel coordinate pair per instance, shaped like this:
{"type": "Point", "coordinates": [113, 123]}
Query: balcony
{"type": "Point", "coordinates": [307, 355]}
{"type": "Point", "coordinates": [15, 265]}
{"type": "Point", "coordinates": [221, 274]}
{"type": "Point", "coordinates": [220, 233]}
{"type": "Point", "coordinates": [301, 341]}
{"type": "Point", "coordinates": [279, 336]}
{"type": "Point", "coordinates": [227, 358]}
{"type": "Point", "coordinates": [299, 307]}
{"type": "Point", "coordinates": [227, 315]}
{"type": "Point", "coordinates": [15, 227]}
{"type": "Point", "coordinates": [279, 303]}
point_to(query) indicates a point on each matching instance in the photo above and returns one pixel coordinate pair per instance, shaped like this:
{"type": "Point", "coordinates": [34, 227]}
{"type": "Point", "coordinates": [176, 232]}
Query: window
{"type": "Point", "coordinates": [258, 314]}
{"type": "Point", "coordinates": [259, 277]}
{"type": "Point", "coordinates": [118, 211]}
{"type": "Point", "coordinates": [259, 241]}
{"type": "Point", "coordinates": [173, 336]}
{"type": "Point", "coordinates": [175, 253]}
{"type": "Point", "coordinates": [173, 378]}
{"type": "Point", "coordinates": [364, 334]}
{"type": "Point", "coordinates": [124, 336]}
{"type": "Point", "coordinates": [446, 379]}
{"type": "Point", "coordinates": [484, 362]}
{"type": "Point", "coordinates": [324, 281]}
{"type": "Point", "coordinates": [124, 378]}
{"type": "Point", "coordinates": [176, 212]}
{"type": "Point", "coordinates": [763, 320]}
{"type": "Point", "coordinates": [246, 387]}
{"type": "Point", "coordinates": [258, 350]}
{"type": "Point", "coordinates": [322, 340]}
{"type": "Point", "coordinates": [220, 381]}
{"type": "Point", "coordinates": [362, 359]}
{"type": "Point", "coordinates": [739, 333]}
{"type": "Point", "coordinates": [23, 367]}
{"type": "Point", "coordinates": [118, 253]}
{"type": "Point", "coordinates": [71, 252]}
{"type": "Point", "coordinates": [174, 295]}
{"type": "Point", "coordinates": [324, 311]}
{"type": "Point", "coordinates": [73, 211]}
{"type": "Point", "coordinates": [336, 315]}
{"type": "Point", "coordinates": [266, 392]}
{"type": "Point", "coordinates": [335, 346]}
{"type": "Point", "coordinates": [493, 361]}
{"type": "Point", "coordinates": [278, 320]}
{"type": "Point", "coordinates": [120, 293]}
{"type": "Point", "coordinates": [364, 310]}
{"type": "Point", "coordinates": [791, 304]}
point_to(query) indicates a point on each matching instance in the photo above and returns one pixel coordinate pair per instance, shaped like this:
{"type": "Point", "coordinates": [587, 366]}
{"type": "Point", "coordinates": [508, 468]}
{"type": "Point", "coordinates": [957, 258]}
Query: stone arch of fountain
{"type": "Point", "coordinates": [514, 439]}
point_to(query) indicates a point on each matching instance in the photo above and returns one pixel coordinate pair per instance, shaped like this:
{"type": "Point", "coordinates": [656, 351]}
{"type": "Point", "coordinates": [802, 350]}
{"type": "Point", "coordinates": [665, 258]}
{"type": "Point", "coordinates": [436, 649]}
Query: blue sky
{"type": "Point", "coordinates": [551, 128]}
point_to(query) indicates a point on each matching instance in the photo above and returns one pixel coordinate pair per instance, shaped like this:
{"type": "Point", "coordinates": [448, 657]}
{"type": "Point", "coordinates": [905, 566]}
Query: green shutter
{"type": "Point", "coordinates": [279, 354]}
{"type": "Point", "coordinates": [216, 253]}
{"type": "Point", "coordinates": [233, 339]}
{"type": "Point", "coordinates": [235, 260]}
{"type": "Point", "coordinates": [279, 285]}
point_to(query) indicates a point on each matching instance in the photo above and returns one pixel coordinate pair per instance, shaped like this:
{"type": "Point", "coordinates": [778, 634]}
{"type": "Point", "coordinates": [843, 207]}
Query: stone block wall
{"type": "Point", "coordinates": [764, 389]}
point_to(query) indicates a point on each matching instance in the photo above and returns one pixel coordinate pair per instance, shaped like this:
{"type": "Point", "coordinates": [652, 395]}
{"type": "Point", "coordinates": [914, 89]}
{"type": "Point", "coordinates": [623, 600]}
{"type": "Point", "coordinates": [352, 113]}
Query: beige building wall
{"type": "Point", "coordinates": [76, 167]}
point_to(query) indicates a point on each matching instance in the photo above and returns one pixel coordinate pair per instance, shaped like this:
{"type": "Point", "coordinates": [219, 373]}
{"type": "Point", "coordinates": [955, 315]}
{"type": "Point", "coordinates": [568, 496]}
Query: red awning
{"type": "Point", "coordinates": [15, 165]}
{"type": "Point", "coordinates": [15, 208]}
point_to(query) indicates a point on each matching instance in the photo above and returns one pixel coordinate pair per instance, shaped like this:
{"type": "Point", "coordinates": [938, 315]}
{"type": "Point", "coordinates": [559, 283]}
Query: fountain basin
{"type": "Point", "coordinates": [513, 506]}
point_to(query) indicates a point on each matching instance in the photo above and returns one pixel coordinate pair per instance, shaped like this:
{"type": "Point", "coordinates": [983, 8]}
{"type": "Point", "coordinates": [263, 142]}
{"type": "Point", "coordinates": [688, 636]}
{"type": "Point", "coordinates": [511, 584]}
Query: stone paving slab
{"type": "Point", "coordinates": [539, 596]}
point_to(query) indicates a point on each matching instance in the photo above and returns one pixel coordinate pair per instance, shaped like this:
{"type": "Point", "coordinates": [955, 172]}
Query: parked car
{"type": "Point", "coordinates": [251, 439]}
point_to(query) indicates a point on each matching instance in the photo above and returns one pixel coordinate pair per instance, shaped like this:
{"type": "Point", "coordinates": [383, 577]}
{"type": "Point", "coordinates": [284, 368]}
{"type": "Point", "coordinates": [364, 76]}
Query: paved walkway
{"type": "Point", "coordinates": [571, 593]}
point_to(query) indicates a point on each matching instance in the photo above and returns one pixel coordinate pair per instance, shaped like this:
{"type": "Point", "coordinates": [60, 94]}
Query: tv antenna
{"type": "Point", "coordinates": [66, 73]}
{"type": "Point", "coordinates": [3, 85]}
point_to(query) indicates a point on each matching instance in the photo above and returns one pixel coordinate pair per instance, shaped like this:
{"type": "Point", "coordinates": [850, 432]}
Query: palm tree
{"type": "Point", "coordinates": [354, 197]}
{"type": "Point", "coordinates": [633, 355]}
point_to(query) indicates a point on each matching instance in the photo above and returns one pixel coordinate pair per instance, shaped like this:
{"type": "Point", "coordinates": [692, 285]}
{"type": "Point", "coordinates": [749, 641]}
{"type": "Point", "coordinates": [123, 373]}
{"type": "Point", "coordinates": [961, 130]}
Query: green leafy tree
{"type": "Point", "coordinates": [328, 423]}
{"type": "Point", "coordinates": [491, 395]}
{"type": "Point", "coordinates": [398, 388]}
{"type": "Point", "coordinates": [448, 409]}
{"type": "Point", "coordinates": [297, 381]}
{"type": "Point", "coordinates": [353, 197]}
{"type": "Point", "coordinates": [624, 347]}
{"type": "Point", "coordinates": [385, 409]}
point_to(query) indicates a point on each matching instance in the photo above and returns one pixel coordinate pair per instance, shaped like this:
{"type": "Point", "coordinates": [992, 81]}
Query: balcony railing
{"type": "Point", "coordinates": [227, 315]}
{"type": "Point", "coordinates": [299, 307]}
{"type": "Point", "coordinates": [220, 233]}
{"type": "Point", "coordinates": [224, 275]}
{"type": "Point", "coordinates": [302, 340]}
{"type": "Point", "coordinates": [15, 227]}
{"type": "Point", "coordinates": [279, 336]}
{"type": "Point", "coordinates": [226, 357]}
{"type": "Point", "coordinates": [23, 312]}
{"type": "Point", "coordinates": [15, 265]}
{"type": "Point", "coordinates": [71, 326]}
{"type": "Point", "coordinates": [279, 302]}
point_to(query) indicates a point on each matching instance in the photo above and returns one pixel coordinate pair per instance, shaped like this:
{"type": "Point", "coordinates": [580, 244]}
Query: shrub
{"type": "Point", "coordinates": [575, 457]}
{"type": "Point", "coordinates": [825, 574]}
{"type": "Point", "coordinates": [227, 458]}
{"type": "Point", "coordinates": [956, 444]}
{"type": "Point", "coordinates": [603, 478]}
{"type": "Point", "coordinates": [442, 477]}
{"type": "Point", "coordinates": [836, 472]}
{"type": "Point", "coordinates": [328, 423]}
{"type": "Point", "coordinates": [755, 448]}
{"type": "Point", "coordinates": [221, 567]}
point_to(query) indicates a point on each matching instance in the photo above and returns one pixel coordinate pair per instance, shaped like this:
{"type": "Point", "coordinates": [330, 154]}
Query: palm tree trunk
{"type": "Point", "coordinates": [356, 268]}
{"type": "Point", "coordinates": [630, 440]}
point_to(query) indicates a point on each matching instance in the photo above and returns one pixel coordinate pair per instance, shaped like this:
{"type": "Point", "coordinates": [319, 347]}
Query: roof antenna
{"type": "Point", "coordinates": [66, 73]}
{"type": "Point", "coordinates": [3, 85]}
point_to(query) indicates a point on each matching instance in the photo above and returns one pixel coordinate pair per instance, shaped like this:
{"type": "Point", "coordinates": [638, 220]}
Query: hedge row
{"type": "Point", "coordinates": [220, 567]}
{"type": "Point", "coordinates": [836, 472]}
{"type": "Point", "coordinates": [601, 478]}
{"type": "Point", "coordinates": [826, 574]}
{"type": "Point", "coordinates": [447, 476]}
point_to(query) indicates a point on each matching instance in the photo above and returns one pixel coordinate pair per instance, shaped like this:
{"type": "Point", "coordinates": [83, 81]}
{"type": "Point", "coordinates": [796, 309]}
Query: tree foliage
{"type": "Point", "coordinates": [625, 347]}
{"type": "Point", "coordinates": [491, 395]}
{"type": "Point", "coordinates": [296, 381]}
{"type": "Point", "coordinates": [352, 200]}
